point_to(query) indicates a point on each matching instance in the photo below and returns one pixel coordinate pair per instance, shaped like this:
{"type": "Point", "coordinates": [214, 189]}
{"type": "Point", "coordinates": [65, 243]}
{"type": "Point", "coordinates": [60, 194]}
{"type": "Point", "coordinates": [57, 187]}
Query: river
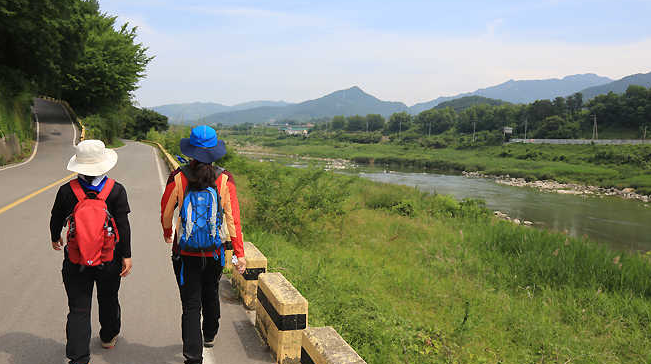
{"type": "Point", "coordinates": [622, 224]}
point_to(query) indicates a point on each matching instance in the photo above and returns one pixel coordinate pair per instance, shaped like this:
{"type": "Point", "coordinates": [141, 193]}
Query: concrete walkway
{"type": "Point", "coordinates": [32, 297]}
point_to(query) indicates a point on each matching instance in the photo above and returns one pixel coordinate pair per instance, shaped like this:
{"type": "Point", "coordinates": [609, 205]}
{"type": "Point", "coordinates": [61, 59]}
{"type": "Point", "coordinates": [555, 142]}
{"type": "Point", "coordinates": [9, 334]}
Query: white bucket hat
{"type": "Point", "coordinates": [92, 158]}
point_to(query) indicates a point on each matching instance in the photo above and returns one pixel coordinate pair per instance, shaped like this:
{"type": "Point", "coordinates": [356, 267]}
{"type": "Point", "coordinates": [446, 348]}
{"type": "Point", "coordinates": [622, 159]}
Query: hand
{"type": "Point", "coordinates": [57, 245]}
{"type": "Point", "coordinates": [126, 267]}
{"type": "Point", "coordinates": [169, 240]}
{"type": "Point", "coordinates": [241, 265]}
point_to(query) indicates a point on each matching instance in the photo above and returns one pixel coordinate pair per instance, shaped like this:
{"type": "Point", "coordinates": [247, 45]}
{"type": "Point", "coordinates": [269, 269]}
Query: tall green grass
{"type": "Point", "coordinates": [407, 277]}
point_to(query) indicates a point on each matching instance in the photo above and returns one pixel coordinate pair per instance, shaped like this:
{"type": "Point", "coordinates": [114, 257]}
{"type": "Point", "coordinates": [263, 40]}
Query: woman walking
{"type": "Point", "coordinates": [207, 200]}
{"type": "Point", "coordinates": [98, 249]}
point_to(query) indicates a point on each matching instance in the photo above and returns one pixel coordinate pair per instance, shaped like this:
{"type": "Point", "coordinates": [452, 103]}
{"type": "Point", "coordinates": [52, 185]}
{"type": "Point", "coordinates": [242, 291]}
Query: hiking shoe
{"type": "Point", "coordinates": [209, 343]}
{"type": "Point", "coordinates": [111, 343]}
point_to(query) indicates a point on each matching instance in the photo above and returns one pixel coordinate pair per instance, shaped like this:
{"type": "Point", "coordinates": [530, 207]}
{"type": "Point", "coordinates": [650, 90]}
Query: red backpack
{"type": "Point", "coordinates": [91, 228]}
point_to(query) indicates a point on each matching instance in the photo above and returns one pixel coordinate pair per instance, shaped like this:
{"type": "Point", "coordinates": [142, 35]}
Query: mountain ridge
{"type": "Point", "coordinates": [354, 100]}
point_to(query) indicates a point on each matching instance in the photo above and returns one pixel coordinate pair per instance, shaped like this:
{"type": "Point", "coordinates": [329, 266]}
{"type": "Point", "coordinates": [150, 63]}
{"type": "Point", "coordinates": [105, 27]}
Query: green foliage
{"type": "Point", "coordinates": [289, 202]}
{"type": "Point", "coordinates": [144, 120]}
{"type": "Point", "coordinates": [109, 68]}
{"type": "Point", "coordinates": [399, 122]}
{"type": "Point", "coordinates": [469, 101]}
{"type": "Point", "coordinates": [15, 116]}
{"type": "Point", "coordinates": [443, 282]}
{"type": "Point", "coordinates": [41, 40]}
{"type": "Point", "coordinates": [555, 127]}
{"type": "Point", "coordinates": [70, 50]}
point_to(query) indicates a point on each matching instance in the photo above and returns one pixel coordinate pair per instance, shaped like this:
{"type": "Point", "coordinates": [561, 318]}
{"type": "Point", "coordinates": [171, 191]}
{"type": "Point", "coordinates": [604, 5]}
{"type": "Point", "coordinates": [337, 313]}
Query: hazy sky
{"type": "Point", "coordinates": [409, 51]}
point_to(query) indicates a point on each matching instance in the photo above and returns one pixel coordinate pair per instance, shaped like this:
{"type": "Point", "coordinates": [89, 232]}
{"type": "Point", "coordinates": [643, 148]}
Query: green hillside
{"type": "Point", "coordinates": [469, 101]}
{"type": "Point", "coordinates": [619, 86]}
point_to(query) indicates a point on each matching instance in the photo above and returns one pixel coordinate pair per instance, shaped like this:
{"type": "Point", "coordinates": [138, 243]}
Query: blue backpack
{"type": "Point", "coordinates": [202, 217]}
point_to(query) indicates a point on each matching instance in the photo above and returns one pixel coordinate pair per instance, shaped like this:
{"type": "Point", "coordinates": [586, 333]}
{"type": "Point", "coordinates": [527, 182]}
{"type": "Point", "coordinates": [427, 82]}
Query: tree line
{"type": "Point", "coordinates": [562, 117]}
{"type": "Point", "coordinates": [69, 49]}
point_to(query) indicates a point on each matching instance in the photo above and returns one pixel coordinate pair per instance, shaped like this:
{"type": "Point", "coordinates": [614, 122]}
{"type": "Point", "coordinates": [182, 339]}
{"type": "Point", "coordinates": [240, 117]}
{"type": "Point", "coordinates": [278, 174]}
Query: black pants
{"type": "Point", "coordinates": [79, 288]}
{"type": "Point", "coordinates": [199, 294]}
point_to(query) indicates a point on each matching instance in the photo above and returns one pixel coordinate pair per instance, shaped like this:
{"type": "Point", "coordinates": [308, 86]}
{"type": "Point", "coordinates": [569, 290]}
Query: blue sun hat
{"type": "Point", "coordinates": [203, 145]}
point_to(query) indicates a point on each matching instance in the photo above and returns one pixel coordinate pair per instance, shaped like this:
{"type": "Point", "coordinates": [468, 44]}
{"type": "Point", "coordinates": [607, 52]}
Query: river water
{"type": "Point", "coordinates": [622, 224]}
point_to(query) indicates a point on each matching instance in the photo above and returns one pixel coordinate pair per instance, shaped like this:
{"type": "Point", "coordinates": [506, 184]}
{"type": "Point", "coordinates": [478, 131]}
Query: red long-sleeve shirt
{"type": "Point", "coordinates": [173, 197]}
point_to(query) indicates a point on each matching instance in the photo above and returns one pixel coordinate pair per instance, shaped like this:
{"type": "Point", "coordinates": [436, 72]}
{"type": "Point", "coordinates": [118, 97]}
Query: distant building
{"type": "Point", "coordinates": [295, 130]}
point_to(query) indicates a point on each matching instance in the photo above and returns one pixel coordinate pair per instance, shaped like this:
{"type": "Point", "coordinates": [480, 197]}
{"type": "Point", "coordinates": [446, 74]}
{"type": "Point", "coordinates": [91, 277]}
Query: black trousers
{"type": "Point", "coordinates": [79, 288]}
{"type": "Point", "coordinates": [199, 295]}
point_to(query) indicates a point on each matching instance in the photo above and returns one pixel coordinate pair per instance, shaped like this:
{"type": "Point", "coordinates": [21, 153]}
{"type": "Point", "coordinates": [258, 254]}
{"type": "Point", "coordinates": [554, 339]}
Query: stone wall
{"type": "Point", "coordinates": [10, 147]}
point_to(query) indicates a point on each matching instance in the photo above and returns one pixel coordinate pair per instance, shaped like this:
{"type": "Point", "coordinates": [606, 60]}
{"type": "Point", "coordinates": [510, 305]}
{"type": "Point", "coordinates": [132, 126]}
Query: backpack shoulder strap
{"type": "Point", "coordinates": [219, 170]}
{"type": "Point", "coordinates": [77, 190]}
{"type": "Point", "coordinates": [108, 187]}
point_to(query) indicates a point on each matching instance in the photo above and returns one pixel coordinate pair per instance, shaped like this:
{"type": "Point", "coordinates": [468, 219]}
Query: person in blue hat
{"type": "Point", "coordinates": [197, 255]}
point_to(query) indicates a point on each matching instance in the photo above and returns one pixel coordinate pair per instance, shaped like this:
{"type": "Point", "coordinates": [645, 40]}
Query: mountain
{"type": "Point", "coordinates": [619, 86]}
{"type": "Point", "coordinates": [181, 113]}
{"type": "Point", "coordinates": [525, 91]}
{"type": "Point", "coordinates": [347, 102]}
{"type": "Point", "coordinates": [469, 101]}
{"type": "Point", "coordinates": [254, 104]}
{"type": "Point", "coordinates": [190, 111]}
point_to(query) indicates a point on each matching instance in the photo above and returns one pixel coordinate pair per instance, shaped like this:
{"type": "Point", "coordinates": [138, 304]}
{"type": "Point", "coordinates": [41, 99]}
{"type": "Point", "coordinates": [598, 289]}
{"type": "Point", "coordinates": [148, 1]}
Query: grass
{"type": "Point", "coordinates": [116, 143]}
{"type": "Point", "coordinates": [405, 277]}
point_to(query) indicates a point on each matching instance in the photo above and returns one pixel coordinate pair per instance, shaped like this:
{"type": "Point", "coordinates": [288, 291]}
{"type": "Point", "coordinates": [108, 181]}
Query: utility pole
{"type": "Point", "coordinates": [644, 137]}
{"type": "Point", "coordinates": [474, 124]}
{"type": "Point", "coordinates": [595, 131]}
{"type": "Point", "coordinates": [525, 127]}
{"type": "Point", "coordinates": [367, 125]}
{"type": "Point", "coordinates": [429, 129]}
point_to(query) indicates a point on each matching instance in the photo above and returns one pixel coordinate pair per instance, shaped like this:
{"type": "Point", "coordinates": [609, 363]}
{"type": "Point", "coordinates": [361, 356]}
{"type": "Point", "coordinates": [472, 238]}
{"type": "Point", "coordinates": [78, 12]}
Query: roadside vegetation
{"type": "Point", "coordinates": [409, 277]}
{"type": "Point", "coordinates": [71, 50]}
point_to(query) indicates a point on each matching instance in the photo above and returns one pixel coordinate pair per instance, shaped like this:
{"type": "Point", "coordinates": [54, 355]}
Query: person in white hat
{"type": "Point", "coordinates": [92, 188]}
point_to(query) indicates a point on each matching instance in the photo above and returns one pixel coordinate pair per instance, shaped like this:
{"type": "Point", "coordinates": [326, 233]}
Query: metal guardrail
{"type": "Point", "coordinates": [172, 164]}
{"type": "Point", "coordinates": [582, 141]}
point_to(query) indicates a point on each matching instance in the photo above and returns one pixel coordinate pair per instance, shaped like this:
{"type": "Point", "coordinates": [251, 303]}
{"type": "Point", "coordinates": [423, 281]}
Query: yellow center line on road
{"type": "Point", "coordinates": [23, 199]}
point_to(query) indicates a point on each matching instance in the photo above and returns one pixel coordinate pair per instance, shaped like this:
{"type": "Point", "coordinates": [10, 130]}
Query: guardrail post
{"type": "Point", "coordinates": [247, 283]}
{"type": "Point", "coordinates": [323, 345]}
{"type": "Point", "coordinates": [281, 317]}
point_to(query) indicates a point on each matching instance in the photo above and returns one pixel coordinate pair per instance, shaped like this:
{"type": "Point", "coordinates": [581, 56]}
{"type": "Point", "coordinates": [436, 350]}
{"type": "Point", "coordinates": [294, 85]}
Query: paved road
{"type": "Point", "coordinates": [32, 298]}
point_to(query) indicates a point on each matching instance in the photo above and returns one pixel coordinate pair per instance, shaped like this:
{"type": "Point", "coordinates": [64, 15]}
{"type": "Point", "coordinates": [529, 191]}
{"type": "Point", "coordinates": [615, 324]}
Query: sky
{"type": "Point", "coordinates": [411, 51]}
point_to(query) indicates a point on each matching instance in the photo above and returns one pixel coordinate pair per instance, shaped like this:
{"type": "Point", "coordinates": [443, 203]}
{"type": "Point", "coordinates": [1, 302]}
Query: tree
{"type": "Point", "coordinates": [555, 127]}
{"type": "Point", "coordinates": [146, 120]}
{"type": "Point", "coordinates": [355, 123]}
{"type": "Point", "coordinates": [375, 122]}
{"type": "Point", "coordinates": [109, 68]}
{"type": "Point", "coordinates": [435, 121]}
{"type": "Point", "coordinates": [41, 40]}
{"type": "Point", "coordinates": [560, 106]}
{"type": "Point", "coordinates": [338, 122]}
{"type": "Point", "coordinates": [398, 122]}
